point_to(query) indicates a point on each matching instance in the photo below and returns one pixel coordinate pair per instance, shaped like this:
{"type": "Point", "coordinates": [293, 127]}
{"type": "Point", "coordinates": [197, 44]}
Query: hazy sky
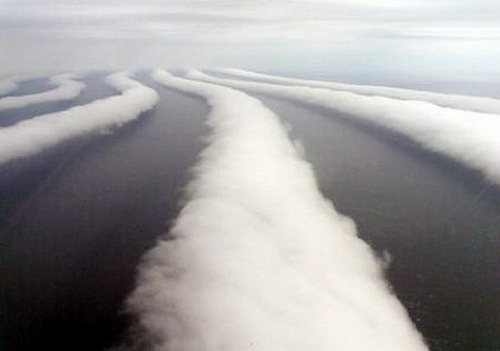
{"type": "Point", "coordinates": [444, 38]}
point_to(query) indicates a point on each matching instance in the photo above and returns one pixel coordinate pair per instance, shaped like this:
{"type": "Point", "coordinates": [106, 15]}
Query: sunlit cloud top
{"type": "Point", "coordinates": [201, 32]}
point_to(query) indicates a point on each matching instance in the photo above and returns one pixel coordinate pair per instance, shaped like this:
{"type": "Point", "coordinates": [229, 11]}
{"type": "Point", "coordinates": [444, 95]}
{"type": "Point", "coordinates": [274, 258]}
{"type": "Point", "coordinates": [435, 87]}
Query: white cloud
{"type": "Point", "coordinates": [66, 89]}
{"type": "Point", "coordinates": [31, 136]}
{"type": "Point", "coordinates": [467, 137]}
{"type": "Point", "coordinates": [258, 259]}
{"type": "Point", "coordinates": [473, 103]}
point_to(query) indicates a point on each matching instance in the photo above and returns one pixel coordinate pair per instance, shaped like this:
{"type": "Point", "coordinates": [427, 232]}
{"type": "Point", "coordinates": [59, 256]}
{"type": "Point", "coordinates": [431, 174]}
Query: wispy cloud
{"type": "Point", "coordinates": [188, 28]}
{"type": "Point", "coordinates": [236, 17]}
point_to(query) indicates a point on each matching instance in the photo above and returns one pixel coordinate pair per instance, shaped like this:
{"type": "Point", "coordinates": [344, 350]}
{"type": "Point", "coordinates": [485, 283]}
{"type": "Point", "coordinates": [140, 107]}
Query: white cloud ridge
{"type": "Point", "coordinates": [31, 136]}
{"type": "Point", "coordinates": [66, 89]}
{"type": "Point", "coordinates": [468, 137]}
{"type": "Point", "coordinates": [258, 259]}
{"type": "Point", "coordinates": [457, 101]}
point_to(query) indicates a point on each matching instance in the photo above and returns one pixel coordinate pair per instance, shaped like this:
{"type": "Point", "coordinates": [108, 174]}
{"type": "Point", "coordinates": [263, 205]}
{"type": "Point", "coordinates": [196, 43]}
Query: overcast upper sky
{"type": "Point", "coordinates": [442, 38]}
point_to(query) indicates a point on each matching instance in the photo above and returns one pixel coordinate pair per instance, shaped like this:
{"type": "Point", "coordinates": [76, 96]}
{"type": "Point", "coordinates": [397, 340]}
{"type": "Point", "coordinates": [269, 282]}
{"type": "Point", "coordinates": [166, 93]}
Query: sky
{"type": "Point", "coordinates": [441, 39]}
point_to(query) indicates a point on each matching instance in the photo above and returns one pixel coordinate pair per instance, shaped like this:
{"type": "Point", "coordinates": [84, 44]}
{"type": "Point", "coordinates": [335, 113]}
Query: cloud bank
{"type": "Point", "coordinates": [66, 89]}
{"type": "Point", "coordinates": [465, 136]}
{"type": "Point", "coordinates": [34, 135]}
{"type": "Point", "coordinates": [473, 103]}
{"type": "Point", "coordinates": [258, 259]}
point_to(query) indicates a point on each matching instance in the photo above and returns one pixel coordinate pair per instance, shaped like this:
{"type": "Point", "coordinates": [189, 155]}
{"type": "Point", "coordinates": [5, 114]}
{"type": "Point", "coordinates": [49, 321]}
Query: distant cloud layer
{"type": "Point", "coordinates": [311, 33]}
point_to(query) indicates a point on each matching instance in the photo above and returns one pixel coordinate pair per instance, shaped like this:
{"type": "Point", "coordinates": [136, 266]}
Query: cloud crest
{"type": "Point", "coordinates": [31, 136]}
{"type": "Point", "coordinates": [258, 259]}
{"type": "Point", "coordinates": [470, 138]}
{"type": "Point", "coordinates": [464, 102]}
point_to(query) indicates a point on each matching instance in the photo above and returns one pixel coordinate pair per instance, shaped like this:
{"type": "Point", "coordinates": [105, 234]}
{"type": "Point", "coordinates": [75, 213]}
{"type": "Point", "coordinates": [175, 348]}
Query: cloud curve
{"type": "Point", "coordinates": [66, 89]}
{"type": "Point", "coordinates": [31, 136]}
